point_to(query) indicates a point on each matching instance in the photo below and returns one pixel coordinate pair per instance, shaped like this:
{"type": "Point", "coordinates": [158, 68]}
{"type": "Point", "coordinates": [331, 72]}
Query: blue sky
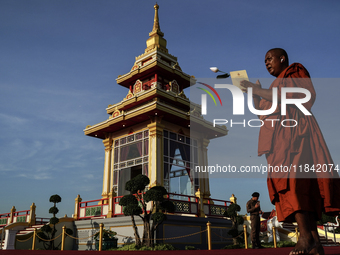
{"type": "Point", "coordinates": [59, 61]}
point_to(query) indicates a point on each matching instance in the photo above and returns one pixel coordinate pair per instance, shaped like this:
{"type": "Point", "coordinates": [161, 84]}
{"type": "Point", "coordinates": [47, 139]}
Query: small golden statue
{"type": "Point", "coordinates": [233, 199]}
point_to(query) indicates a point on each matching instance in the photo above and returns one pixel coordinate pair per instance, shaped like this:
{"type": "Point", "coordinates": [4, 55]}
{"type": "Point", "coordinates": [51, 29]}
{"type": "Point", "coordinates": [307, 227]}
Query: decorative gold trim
{"type": "Point", "coordinates": [149, 93]}
{"type": "Point", "coordinates": [128, 96]}
{"type": "Point", "coordinates": [137, 87]}
{"type": "Point", "coordinates": [221, 227]}
{"type": "Point", "coordinates": [138, 225]}
{"type": "Point", "coordinates": [126, 134]}
{"type": "Point", "coordinates": [116, 113]}
{"type": "Point", "coordinates": [174, 87]}
{"type": "Point", "coordinates": [108, 143]}
{"type": "Point", "coordinates": [153, 64]}
{"type": "Point", "coordinates": [129, 115]}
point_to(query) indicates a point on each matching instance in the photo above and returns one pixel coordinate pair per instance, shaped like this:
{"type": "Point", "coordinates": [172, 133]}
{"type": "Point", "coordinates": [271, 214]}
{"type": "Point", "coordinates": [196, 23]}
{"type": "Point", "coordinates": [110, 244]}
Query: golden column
{"type": "Point", "coordinates": [156, 153]}
{"type": "Point", "coordinates": [107, 167]}
{"type": "Point", "coordinates": [204, 181]}
{"type": "Point", "coordinates": [112, 195]}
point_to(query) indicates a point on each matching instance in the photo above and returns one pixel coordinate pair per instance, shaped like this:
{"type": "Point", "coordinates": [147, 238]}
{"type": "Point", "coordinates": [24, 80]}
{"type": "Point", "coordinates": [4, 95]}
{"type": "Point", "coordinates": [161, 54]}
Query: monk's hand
{"type": "Point", "coordinates": [254, 86]}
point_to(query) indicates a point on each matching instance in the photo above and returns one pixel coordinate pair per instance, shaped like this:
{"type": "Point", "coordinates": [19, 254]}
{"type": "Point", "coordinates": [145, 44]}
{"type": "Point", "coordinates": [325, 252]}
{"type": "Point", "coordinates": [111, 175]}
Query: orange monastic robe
{"type": "Point", "coordinates": [294, 148]}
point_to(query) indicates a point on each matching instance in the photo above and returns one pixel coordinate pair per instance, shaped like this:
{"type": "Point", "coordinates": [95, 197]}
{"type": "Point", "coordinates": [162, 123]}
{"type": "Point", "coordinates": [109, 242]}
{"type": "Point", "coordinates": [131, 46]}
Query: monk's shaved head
{"type": "Point", "coordinates": [280, 52]}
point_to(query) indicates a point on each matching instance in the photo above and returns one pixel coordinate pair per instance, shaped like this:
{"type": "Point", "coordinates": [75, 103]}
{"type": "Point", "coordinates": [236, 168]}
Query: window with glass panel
{"type": "Point", "coordinates": [130, 157]}
{"type": "Point", "coordinates": [180, 155]}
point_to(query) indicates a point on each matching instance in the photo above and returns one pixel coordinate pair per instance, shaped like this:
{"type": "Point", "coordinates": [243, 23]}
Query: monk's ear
{"type": "Point", "coordinates": [283, 59]}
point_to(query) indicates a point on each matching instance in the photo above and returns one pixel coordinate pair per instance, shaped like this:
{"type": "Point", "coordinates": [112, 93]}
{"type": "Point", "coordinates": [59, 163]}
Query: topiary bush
{"type": "Point", "coordinates": [136, 204]}
{"type": "Point", "coordinates": [48, 231]}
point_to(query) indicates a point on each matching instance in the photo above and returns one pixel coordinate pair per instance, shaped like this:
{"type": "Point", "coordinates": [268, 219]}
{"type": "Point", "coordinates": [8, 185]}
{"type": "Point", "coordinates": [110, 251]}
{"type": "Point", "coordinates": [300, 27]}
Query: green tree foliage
{"type": "Point", "coordinates": [137, 184]}
{"type": "Point", "coordinates": [157, 247]}
{"type": "Point", "coordinates": [55, 199]}
{"type": "Point", "coordinates": [53, 210]}
{"type": "Point", "coordinates": [48, 231]}
{"type": "Point", "coordinates": [329, 219]}
{"type": "Point", "coordinates": [326, 218]}
{"type": "Point", "coordinates": [236, 220]}
{"type": "Point", "coordinates": [108, 235]}
{"type": "Point", "coordinates": [136, 204]}
{"type": "Point", "coordinates": [54, 220]}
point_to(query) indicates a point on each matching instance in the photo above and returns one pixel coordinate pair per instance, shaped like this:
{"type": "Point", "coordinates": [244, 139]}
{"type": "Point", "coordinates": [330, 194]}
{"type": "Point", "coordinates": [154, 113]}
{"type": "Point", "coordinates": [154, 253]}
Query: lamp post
{"type": "Point", "coordinates": [221, 76]}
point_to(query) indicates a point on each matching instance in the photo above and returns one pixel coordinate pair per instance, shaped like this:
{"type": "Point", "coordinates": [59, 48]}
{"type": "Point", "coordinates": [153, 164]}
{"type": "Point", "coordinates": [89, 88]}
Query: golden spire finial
{"type": "Point", "coordinates": [156, 29]}
{"type": "Point", "coordinates": [156, 39]}
{"type": "Point", "coordinates": [156, 26]}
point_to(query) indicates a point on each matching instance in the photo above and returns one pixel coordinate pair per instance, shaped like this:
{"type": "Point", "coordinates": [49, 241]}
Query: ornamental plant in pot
{"type": "Point", "coordinates": [109, 240]}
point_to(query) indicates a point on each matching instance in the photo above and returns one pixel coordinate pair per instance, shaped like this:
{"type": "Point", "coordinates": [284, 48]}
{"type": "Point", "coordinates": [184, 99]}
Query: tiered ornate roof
{"type": "Point", "coordinates": [156, 83]}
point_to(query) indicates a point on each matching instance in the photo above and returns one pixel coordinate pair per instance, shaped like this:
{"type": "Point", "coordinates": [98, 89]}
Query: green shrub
{"type": "Point", "coordinates": [189, 247]}
{"type": "Point", "coordinates": [145, 248]}
{"type": "Point", "coordinates": [265, 245]}
{"type": "Point", "coordinates": [164, 247]}
{"type": "Point", "coordinates": [128, 247]}
{"type": "Point", "coordinates": [234, 246]}
{"type": "Point", "coordinates": [157, 247]}
{"type": "Point", "coordinates": [135, 204]}
{"type": "Point", "coordinates": [285, 244]}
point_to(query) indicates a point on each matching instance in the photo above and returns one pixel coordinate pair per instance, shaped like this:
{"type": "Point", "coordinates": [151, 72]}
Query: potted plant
{"type": "Point", "coordinates": [109, 240]}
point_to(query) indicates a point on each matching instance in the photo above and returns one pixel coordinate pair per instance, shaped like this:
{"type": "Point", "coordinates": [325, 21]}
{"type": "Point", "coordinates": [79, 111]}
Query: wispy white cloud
{"type": "Point", "coordinates": [40, 176]}
{"type": "Point", "coordinates": [12, 121]}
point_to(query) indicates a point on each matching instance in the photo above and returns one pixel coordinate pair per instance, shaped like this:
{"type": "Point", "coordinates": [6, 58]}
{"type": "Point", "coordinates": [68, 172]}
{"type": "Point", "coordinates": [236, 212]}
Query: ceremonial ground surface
{"type": "Point", "coordinates": [279, 251]}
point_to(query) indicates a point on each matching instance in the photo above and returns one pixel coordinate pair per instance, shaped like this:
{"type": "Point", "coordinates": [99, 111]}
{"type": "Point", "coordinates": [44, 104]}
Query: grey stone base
{"type": "Point", "coordinates": [182, 226]}
{"type": "Point", "coordinates": [168, 232]}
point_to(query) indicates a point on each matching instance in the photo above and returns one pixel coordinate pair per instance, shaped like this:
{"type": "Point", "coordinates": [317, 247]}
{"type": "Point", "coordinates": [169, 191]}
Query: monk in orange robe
{"type": "Point", "coordinates": [300, 194]}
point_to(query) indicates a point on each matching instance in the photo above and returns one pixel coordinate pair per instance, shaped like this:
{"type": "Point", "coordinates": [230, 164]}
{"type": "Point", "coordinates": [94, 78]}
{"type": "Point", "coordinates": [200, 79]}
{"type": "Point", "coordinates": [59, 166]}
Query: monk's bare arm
{"type": "Point", "coordinates": [266, 94]}
{"type": "Point", "coordinates": [258, 91]}
{"type": "Point", "coordinates": [256, 100]}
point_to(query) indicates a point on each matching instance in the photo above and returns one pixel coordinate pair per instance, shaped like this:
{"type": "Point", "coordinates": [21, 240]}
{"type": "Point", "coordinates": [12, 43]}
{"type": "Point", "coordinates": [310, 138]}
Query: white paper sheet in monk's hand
{"type": "Point", "coordinates": [237, 77]}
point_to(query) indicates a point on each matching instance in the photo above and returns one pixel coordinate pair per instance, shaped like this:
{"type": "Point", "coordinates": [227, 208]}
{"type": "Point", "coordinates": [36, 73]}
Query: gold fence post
{"type": "Point", "coordinates": [101, 225]}
{"type": "Point", "coordinates": [200, 208]}
{"type": "Point", "coordinates": [245, 236]}
{"type": "Point", "coordinates": [63, 238]}
{"type": "Point", "coordinates": [33, 241]}
{"type": "Point", "coordinates": [112, 195]}
{"type": "Point", "coordinates": [297, 234]}
{"type": "Point", "coordinates": [76, 207]}
{"type": "Point", "coordinates": [209, 235]}
{"type": "Point", "coordinates": [11, 217]}
{"type": "Point", "coordinates": [274, 237]}
{"type": "Point", "coordinates": [32, 215]}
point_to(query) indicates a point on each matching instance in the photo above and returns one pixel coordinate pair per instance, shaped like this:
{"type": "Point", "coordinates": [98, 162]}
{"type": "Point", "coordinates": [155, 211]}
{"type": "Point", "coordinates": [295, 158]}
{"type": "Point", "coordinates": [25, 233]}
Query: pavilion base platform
{"type": "Point", "coordinates": [180, 231]}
